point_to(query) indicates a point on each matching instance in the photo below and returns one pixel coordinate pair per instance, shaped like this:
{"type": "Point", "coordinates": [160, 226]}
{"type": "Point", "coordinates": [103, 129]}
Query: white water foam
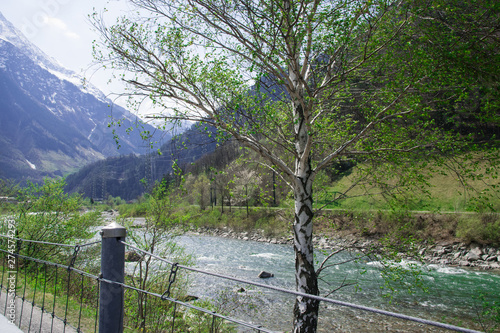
{"type": "Point", "coordinates": [266, 255]}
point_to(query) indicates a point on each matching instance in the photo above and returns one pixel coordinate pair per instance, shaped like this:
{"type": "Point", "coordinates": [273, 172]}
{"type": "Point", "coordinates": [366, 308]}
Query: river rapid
{"type": "Point", "coordinates": [454, 295]}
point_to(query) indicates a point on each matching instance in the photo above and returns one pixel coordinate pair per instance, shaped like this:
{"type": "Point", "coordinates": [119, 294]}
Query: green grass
{"type": "Point", "coordinates": [445, 193]}
{"type": "Point", "coordinates": [138, 209]}
{"type": "Point", "coordinates": [272, 222]}
{"type": "Point", "coordinates": [31, 288]}
{"type": "Point", "coordinates": [479, 228]}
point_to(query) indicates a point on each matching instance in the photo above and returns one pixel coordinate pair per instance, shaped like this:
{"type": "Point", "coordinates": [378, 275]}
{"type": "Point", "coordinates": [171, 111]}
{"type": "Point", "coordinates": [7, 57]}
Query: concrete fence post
{"type": "Point", "coordinates": [111, 300]}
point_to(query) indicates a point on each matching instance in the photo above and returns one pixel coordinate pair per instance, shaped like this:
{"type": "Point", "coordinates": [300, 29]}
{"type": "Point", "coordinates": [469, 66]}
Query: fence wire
{"type": "Point", "coordinates": [40, 295]}
{"type": "Point", "coordinates": [33, 302]}
{"type": "Point", "coordinates": [318, 298]}
{"type": "Point", "coordinates": [55, 296]}
{"type": "Point", "coordinates": [214, 314]}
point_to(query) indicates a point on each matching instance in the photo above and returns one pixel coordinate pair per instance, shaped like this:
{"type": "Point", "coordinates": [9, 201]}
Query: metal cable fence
{"type": "Point", "coordinates": [176, 266]}
{"type": "Point", "coordinates": [37, 293]}
{"type": "Point", "coordinates": [41, 295]}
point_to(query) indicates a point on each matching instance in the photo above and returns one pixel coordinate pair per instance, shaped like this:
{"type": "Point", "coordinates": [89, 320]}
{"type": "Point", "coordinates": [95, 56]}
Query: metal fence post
{"type": "Point", "coordinates": [111, 300]}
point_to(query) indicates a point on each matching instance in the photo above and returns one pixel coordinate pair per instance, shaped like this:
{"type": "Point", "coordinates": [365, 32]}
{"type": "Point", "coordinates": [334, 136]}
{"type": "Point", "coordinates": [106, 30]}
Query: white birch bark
{"type": "Point", "coordinates": [305, 310]}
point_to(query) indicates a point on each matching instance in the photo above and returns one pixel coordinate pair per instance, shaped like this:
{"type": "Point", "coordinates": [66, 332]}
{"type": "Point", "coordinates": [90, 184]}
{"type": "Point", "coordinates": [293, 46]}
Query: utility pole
{"type": "Point", "coordinates": [246, 196]}
{"type": "Point", "coordinates": [211, 198]}
{"type": "Point", "coordinates": [94, 192]}
{"type": "Point", "coordinates": [148, 166]}
{"type": "Point", "coordinates": [103, 179]}
{"type": "Point", "coordinates": [215, 192]}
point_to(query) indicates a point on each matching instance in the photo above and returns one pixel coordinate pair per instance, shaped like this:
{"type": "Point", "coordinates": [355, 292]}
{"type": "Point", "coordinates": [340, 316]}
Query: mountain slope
{"type": "Point", "coordinates": [33, 141]}
{"type": "Point", "coordinates": [49, 123]}
{"type": "Point", "coordinates": [121, 176]}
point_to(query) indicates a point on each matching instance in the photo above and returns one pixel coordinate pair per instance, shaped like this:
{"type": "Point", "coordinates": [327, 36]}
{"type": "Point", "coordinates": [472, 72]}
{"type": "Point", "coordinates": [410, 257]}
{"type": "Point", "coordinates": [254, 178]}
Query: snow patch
{"type": "Point", "coordinates": [52, 98]}
{"type": "Point", "coordinates": [68, 109]}
{"type": "Point", "coordinates": [31, 165]}
{"type": "Point", "coordinates": [75, 79]}
{"type": "Point", "coordinates": [95, 126]}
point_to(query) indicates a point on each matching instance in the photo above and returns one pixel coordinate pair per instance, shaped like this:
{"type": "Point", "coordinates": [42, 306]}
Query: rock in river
{"type": "Point", "coordinates": [265, 275]}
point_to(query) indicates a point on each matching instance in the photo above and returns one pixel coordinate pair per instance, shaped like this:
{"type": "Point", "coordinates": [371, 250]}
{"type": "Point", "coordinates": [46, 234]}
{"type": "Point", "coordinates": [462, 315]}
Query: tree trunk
{"type": "Point", "coordinates": [305, 310]}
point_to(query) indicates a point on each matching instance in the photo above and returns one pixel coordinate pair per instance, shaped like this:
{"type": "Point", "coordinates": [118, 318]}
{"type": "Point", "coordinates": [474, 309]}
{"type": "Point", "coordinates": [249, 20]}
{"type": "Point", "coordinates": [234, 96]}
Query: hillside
{"type": "Point", "coordinates": [124, 176]}
{"type": "Point", "coordinates": [50, 124]}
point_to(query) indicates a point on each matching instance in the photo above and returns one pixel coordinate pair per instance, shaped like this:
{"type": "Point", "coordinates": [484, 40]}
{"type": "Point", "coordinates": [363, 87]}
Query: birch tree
{"type": "Point", "coordinates": [303, 83]}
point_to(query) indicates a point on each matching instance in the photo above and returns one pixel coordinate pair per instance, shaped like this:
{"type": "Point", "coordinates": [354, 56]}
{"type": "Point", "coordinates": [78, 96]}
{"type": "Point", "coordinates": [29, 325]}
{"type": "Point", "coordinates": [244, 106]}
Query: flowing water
{"type": "Point", "coordinates": [453, 294]}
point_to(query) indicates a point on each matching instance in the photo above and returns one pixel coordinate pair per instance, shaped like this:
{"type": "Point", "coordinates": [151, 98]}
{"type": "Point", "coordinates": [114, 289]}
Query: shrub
{"type": "Point", "coordinates": [157, 236]}
{"type": "Point", "coordinates": [46, 213]}
{"type": "Point", "coordinates": [481, 228]}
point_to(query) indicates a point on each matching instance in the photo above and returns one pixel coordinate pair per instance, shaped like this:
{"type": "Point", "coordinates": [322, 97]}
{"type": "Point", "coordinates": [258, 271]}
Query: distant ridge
{"type": "Point", "coordinates": [50, 124]}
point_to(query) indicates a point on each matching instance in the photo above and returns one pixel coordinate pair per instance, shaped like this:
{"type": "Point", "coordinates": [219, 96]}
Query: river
{"type": "Point", "coordinates": [453, 294]}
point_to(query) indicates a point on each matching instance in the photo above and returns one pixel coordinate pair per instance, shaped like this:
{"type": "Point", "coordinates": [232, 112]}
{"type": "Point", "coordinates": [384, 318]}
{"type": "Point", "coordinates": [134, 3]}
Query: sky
{"type": "Point", "coordinates": [62, 30]}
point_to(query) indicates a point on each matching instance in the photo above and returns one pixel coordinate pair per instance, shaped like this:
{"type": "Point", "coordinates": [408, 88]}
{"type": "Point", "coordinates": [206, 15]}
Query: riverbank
{"type": "Point", "coordinates": [447, 253]}
{"type": "Point", "coordinates": [220, 250]}
{"type": "Point", "coordinates": [337, 232]}
{"type": "Point", "coordinates": [450, 296]}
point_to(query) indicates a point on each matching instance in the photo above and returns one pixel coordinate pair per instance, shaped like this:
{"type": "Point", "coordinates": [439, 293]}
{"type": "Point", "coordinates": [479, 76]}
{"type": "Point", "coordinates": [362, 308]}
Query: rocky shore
{"type": "Point", "coordinates": [446, 253]}
{"type": "Point", "coordinates": [442, 253]}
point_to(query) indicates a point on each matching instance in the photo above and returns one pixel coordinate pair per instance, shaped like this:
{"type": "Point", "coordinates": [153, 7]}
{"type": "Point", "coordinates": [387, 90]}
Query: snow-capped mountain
{"type": "Point", "coordinates": [50, 123]}
{"type": "Point", "coordinates": [12, 35]}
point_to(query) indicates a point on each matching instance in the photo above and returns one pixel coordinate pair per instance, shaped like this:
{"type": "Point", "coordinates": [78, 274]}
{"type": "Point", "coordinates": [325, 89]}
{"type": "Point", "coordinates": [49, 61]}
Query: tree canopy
{"type": "Point", "coordinates": [305, 83]}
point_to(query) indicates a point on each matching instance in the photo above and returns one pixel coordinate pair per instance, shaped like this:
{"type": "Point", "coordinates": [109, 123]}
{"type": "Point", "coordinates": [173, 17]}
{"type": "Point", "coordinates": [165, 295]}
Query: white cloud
{"type": "Point", "coordinates": [71, 34]}
{"type": "Point", "coordinates": [55, 22]}
{"type": "Point", "coordinates": [59, 24]}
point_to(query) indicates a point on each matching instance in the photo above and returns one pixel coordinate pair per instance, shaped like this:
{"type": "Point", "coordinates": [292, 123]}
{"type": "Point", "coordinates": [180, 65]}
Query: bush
{"type": "Point", "coordinates": [46, 213]}
{"type": "Point", "coordinates": [136, 209]}
{"type": "Point", "coordinates": [157, 236]}
{"type": "Point", "coordinates": [480, 228]}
